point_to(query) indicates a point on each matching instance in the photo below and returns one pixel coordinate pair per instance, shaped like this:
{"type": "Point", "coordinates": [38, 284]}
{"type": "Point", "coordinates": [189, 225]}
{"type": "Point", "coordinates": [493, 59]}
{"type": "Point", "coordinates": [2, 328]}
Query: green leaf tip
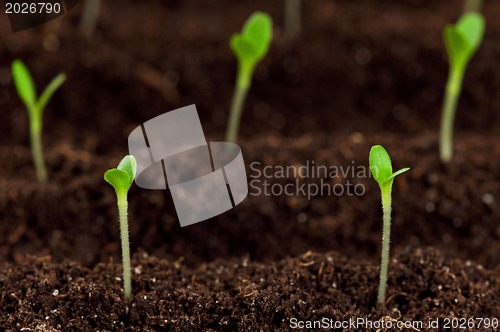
{"type": "Point", "coordinates": [471, 26]}
{"type": "Point", "coordinates": [24, 83]}
{"type": "Point", "coordinates": [381, 165]}
{"type": "Point", "coordinates": [463, 39]}
{"type": "Point", "coordinates": [50, 90]}
{"type": "Point", "coordinates": [121, 178]}
{"type": "Point", "coordinates": [252, 44]}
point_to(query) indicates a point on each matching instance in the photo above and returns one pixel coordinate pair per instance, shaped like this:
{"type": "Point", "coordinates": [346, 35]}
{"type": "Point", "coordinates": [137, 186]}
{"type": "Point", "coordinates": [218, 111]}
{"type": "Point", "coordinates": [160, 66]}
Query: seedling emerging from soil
{"type": "Point", "coordinates": [27, 92]}
{"type": "Point", "coordinates": [90, 14]}
{"type": "Point", "coordinates": [462, 41]}
{"type": "Point", "coordinates": [381, 168]}
{"type": "Point", "coordinates": [249, 47]}
{"type": "Point", "coordinates": [292, 17]}
{"type": "Point", "coordinates": [473, 6]}
{"type": "Point", "coordinates": [121, 179]}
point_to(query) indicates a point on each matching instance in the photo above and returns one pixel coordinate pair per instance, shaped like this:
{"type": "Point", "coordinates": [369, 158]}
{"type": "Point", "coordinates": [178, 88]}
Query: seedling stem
{"type": "Point", "coordinates": [36, 149]}
{"type": "Point", "coordinates": [386, 240]}
{"type": "Point", "coordinates": [90, 15]}
{"type": "Point", "coordinates": [123, 215]}
{"type": "Point", "coordinates": [239, 97]}
{"type": "Point", "coordinates": [473, 6]}
{"type": "Point", "coordinates": [453, 88]}
{"type": "Point", "coordinates": [292, 17]}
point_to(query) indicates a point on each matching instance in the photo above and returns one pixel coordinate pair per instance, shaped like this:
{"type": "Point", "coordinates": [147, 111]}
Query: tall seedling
{"type": "Point", "coordinates": [473, 6]}
{"type": "Point", "coordinates": [293, 17]}
{"type": "Point", "coordinates": [90, 14]}
{"type": "Point", "coordinates": [249, 47]}
{"type": "Point", "coordinates": [462, 41]}
{"type": "Point", "coordinates": [27, 92]}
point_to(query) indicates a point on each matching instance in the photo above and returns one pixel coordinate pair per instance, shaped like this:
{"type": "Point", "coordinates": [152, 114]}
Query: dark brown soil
{"type": "Point", "coordinates": [238, 294]}
{"type": "Point", "coordinates": [363, 73]}
{"type": "Point", "coordinates": [433, 205]}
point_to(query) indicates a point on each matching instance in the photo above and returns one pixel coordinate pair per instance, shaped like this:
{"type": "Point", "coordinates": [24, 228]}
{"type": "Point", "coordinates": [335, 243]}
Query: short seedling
{"type": "Point", "coordinates": [249, 47]}
{"type": "Point", "coordinates": [27, 92]}
{"type": "Point", "coordinates": [121, 179]}
{"type": "Point", "coordinates": [381, 168]}
{"type": "Point", "coordinates": [462, 41]}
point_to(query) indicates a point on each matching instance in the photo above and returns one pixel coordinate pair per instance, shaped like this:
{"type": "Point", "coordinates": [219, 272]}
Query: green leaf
{"type": "Point", "coordinates": [24, 84]}
{"type": "Point", "coordinates": [118, 179]}
{"type": "Point", "coordinates": [252, 44]}
{"type": "Point", "coordinates": [243, 49]}
{"type": "Point", "coordinates": [471, 26]}
{"type": "Point", "coordinates": [121, 178]}
{"type": "Point", "coordinates": [463, 39]}
{"type": "Point", "coordinates": [129, 165]}
{"type": "Point", "coordinates": [456, 47]}
{"type": "Point", "coordinates": [401, 171]}
{"type": "Point", "coordinates": [49, 91]}
{"type": "Point", "coordinates": [380, 164]}
{"type": "Point", "coordinates": [258, 32]}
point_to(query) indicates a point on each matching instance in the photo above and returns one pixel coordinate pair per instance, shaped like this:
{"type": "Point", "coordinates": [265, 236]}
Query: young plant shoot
{"type": "Point", "coordinates": [462, 41]}
{"type": "Point", "coordinates": [27, 93]}
{"type": "Point", "coordinates": [381, 168]}
{"type": "Point", "coordinates": [121, 179]}
{"type": "Point", "coordinates": [292, 17]}
{"type": "Point", "coordinates": [249, 47]}
{"type": "Point", "coordinates": [90, 14]}
{"type": "Point", "coordinates": [473, 6]}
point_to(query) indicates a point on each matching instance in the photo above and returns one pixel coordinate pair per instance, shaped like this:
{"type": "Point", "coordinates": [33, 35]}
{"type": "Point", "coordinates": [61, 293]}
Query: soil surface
{"type": "Point", "coordinates": [238, 294]}
{"type": "Point", "coordinates": [362, 73]}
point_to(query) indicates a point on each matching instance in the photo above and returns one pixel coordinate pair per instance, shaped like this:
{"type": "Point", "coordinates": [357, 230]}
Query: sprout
{"type": "Point", "coordinates": [292, 17]}
{"type": "Point", "coordinates": [249, 47]}
{"type": "Point", "coordinates": [90, 14]}
{"type": "Point", "coordinates": [27, 92]}
{"type": "Point", "coordinates": [462, 41]}
{"type": "Point", "coordinates": [473, 6]}
{"type": "Point", "coordinates": [381, 168]}
{"type": "Point", "coordinates": [121, 179]}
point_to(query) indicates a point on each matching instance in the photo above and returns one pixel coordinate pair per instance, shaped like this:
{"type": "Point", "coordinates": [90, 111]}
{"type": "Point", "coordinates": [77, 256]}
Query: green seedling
{"type": "Point", "coordinates": [462, 41]}
{"type": "Point", "coordinates": [292, 17]}
{"type": "Point", "coordinates": [473, 6]}
{"type": "Point", "coordinates": [27, 92]}
{"type": "Point", "coordinates": [250, 46]}
{"type": "Point", "coordinates": [90, 14]}
{"type": "Point", "coordinates": [121, 179]}
{"type": "Point", "coordinates": [381, 168]}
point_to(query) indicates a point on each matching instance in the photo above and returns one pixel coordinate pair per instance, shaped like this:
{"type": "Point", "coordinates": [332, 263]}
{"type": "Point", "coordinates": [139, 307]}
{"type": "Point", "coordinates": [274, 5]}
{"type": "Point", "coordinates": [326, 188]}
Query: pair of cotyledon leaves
{"type": "Point", "coordinates": [27, 92]}
{"type": "Point", "coordinates": [381, 166]}
{"type": "Point", "coordinates": [463, 38]}
{"type": "Point", "coordinates": [252, 44]}
{"type": "Point", "coordinates": [121, 178]}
